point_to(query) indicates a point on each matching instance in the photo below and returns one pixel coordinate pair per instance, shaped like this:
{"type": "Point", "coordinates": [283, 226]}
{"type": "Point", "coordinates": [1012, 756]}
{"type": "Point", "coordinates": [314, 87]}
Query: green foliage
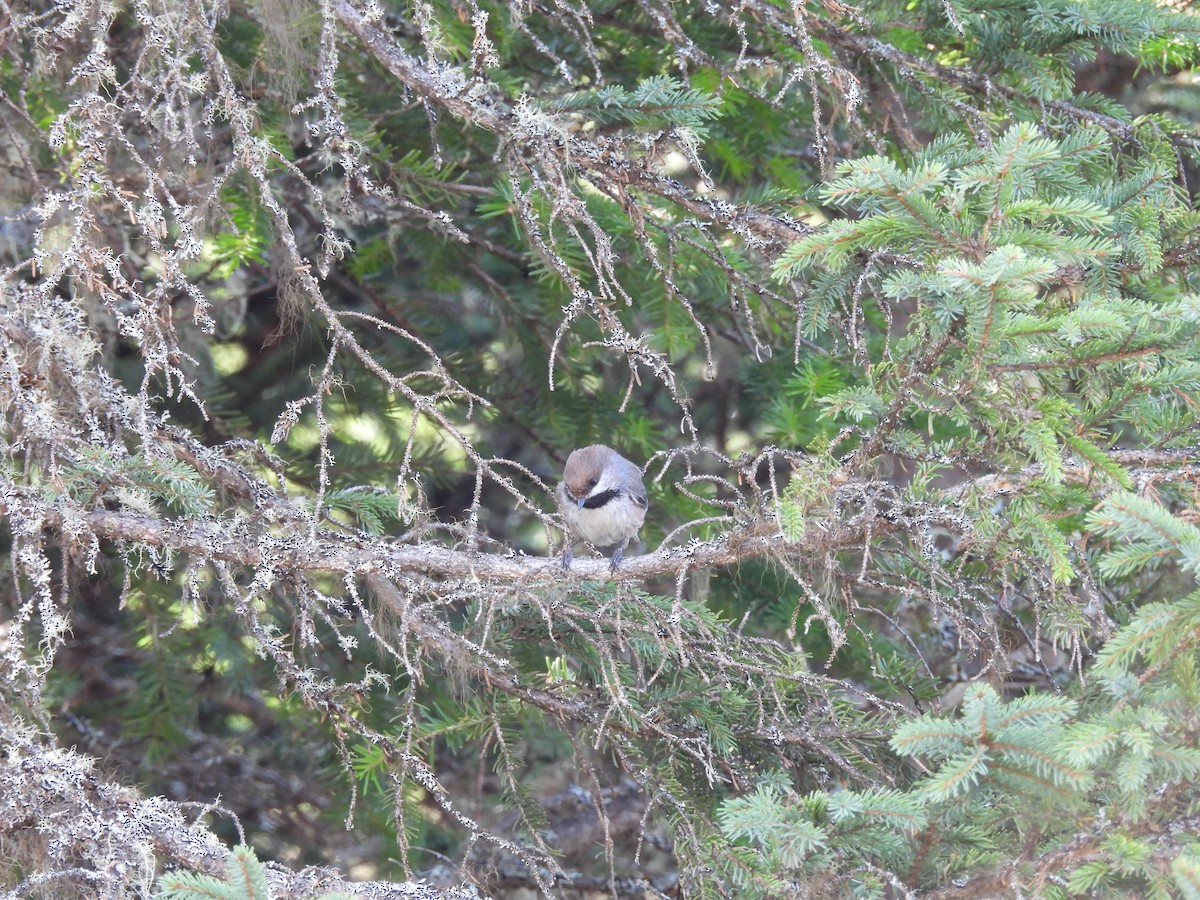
{"type": "Point", "coordinates": [164, 708]}
{"type": "Point", "coordinates": [372, 510]}
{"type": "Point", "coordinates": [654, 102]}
{"type": "Point", "coordinates": [1004, 773]}
{"type": "Point", "coordinates": [1010, 747]}
{"type": "Point", "coordinates": [98, 473]}
{"type": "Point", "coordinates": [247, 880]}
{"type": "Point", "coordinates": [792, 836]}
{"type": "Point", "coordinates": [898, 302]}
{"type": "Point", "coordinates": [1146, 535]}
{"type": "Point", "coordinates": [1185, 869]}
{"type": "Point", "coordinates": [247, 238]}
{"type": "Point", "coordinates": [1035, 332]}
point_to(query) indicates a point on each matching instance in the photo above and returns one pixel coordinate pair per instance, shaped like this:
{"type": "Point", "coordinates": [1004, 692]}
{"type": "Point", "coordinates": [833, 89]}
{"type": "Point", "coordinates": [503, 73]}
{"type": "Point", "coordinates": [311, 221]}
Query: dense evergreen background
{"type": "Point", "coordinates": [305, 303]}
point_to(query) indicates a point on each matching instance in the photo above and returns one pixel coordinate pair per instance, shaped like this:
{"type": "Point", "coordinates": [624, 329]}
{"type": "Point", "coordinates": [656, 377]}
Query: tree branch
{"type": "Point", "coordinates": [606, 161]}
{"type": "Point", "coordinates": [56, 796]}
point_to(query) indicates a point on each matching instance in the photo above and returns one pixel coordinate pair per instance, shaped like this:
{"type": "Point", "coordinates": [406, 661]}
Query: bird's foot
{"type": "Point", "coordinates": [618, 555]}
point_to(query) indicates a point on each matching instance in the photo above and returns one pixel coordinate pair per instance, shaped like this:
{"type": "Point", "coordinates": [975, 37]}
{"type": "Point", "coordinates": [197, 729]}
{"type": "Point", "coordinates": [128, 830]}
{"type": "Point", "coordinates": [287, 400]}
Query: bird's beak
{"type": "Point", "coordinates": [581, 501]}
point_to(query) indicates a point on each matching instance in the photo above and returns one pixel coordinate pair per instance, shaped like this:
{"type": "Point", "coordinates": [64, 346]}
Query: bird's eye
{"type": "Point", "coordinates": [591, 482]}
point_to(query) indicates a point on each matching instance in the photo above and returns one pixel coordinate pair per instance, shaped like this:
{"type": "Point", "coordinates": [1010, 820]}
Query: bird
{"type": "Point", "coordinates": [603, 500]}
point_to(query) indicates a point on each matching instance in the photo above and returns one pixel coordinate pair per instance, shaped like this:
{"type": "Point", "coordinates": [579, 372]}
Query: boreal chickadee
{"type": "Point", "coordinates": [603, 500]}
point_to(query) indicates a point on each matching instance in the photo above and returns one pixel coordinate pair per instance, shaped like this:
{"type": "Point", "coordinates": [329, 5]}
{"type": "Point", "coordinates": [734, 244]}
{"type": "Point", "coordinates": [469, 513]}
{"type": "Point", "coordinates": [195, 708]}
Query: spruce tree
{"type": "Point", "coordinates": [303, 306]}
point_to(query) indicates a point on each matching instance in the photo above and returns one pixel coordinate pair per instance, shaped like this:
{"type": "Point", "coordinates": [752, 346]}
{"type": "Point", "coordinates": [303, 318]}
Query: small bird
{"type": "Point", "coordinates": [603, 499]}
